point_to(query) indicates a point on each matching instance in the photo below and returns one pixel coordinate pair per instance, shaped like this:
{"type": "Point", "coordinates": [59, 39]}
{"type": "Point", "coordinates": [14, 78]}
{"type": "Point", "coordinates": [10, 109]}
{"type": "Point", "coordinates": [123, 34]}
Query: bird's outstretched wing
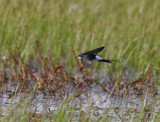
{"type": "Point", "coordinates": [86, 62]}
{"type": "Point", "coordinates": [95, 51]}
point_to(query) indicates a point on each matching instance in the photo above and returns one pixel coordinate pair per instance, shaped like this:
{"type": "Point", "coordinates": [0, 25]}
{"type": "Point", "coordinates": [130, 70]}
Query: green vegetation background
{"type": "Point", "coordinates": [129, 30]}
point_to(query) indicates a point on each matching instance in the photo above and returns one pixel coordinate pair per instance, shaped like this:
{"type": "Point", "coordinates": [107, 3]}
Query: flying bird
{"type": "Point", "coordinates": [89, 57]}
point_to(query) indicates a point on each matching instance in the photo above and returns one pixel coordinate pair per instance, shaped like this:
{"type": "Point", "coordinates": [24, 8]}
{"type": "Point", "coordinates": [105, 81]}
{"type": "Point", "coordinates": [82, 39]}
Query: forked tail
{"type": "Point", "coordinates": [107, 61]}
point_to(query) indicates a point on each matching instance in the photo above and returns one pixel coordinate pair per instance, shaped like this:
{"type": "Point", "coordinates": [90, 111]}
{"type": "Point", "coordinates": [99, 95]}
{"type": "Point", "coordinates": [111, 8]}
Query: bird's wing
{"type": "Point", "coordinates": [86, 62]}
{"type": "Point", "coordinates": [95, 51]}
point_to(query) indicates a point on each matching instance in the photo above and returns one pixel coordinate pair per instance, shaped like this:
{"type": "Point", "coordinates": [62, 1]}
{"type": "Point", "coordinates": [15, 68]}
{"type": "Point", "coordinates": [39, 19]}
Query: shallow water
{"type": "Point", "coordinates": [94, 99]}
{"type": "Point", "coordinates": [100, 96]}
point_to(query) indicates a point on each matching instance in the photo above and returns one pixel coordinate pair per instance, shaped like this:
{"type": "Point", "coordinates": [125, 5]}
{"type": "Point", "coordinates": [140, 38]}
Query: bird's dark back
{"type": "Point", "coordinates": [91, 56]}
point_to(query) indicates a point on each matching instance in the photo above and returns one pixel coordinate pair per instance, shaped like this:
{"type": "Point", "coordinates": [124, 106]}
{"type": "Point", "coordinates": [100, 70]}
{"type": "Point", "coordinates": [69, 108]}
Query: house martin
{"type": "Point", "coordinates": [89, 57]}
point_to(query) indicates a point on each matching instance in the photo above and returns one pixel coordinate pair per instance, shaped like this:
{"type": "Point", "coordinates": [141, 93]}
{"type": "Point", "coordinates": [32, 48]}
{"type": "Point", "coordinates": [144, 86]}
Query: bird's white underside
{"type": "Point", "coordinates": [97, 59]}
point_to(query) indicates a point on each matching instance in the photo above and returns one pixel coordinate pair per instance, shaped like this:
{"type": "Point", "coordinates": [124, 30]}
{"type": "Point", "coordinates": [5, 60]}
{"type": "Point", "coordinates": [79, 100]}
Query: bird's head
{"type": "Point", "coordinates": [80, 56]}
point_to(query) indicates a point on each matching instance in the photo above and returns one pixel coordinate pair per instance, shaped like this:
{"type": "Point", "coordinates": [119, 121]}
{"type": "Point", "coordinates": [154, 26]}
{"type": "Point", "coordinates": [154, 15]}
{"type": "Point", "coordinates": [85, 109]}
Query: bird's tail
{"type": "Point", "coordinates": [107, 61]}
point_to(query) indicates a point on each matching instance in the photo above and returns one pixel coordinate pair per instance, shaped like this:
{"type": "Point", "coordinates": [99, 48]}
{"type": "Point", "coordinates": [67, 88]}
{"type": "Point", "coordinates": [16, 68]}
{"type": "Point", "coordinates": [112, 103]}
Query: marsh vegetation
{"type": "Point", "coordinates": [41, 78]}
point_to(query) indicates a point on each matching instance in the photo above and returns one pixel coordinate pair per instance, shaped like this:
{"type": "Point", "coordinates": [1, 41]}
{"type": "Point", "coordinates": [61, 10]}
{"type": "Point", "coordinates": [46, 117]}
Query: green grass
{"type": "Point", "coordinates": [129, 30]}
{"type": "Point", "coordinates": [24, 109]}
